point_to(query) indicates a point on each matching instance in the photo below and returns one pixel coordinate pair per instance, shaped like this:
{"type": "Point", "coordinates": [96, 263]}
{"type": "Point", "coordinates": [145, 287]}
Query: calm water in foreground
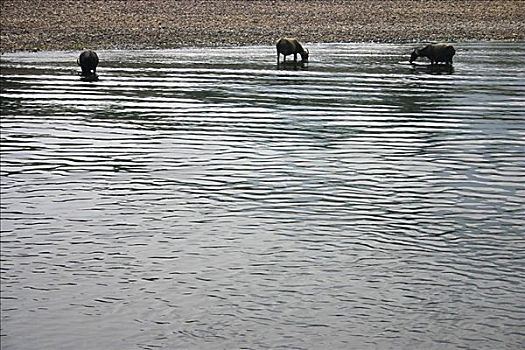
{"type": "Point", "coordinates": [203, 199]}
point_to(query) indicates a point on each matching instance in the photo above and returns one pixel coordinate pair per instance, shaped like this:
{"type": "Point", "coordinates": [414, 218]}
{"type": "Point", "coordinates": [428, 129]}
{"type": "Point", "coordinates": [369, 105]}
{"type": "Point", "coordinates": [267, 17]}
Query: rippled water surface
{"type": "Point", "coordinates": [204, 199]}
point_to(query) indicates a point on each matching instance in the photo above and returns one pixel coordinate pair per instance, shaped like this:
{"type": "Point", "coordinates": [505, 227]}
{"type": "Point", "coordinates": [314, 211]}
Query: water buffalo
{"type": "Point", "coordinates": [288, 46]}
{"type": "Point", "coordinates": [88, 62]}
{"type": "Point", "coordinates": [435, 53]}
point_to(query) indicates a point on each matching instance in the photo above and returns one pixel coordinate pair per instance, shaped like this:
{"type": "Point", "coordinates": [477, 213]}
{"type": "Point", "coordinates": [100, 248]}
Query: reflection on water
{"type": "Point", "coordinates": [204, 199]}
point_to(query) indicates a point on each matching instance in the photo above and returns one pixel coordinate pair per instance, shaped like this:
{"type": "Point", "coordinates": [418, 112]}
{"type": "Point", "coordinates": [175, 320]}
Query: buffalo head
{"type": "Point", "coordinates": [304, 55]}
{"type": "Point", "coordinates": [414, 55]}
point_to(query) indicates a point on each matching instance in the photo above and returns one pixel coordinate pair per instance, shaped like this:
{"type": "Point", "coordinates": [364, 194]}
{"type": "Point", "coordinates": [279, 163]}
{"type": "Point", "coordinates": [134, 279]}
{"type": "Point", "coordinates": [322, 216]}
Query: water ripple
{"type": "Point", "coordinates": [202, 198]}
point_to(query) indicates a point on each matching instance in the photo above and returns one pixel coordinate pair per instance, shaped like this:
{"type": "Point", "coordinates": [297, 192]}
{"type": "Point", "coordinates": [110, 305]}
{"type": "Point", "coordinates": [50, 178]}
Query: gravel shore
{"type": "Point", "coordinates": [136, 24]}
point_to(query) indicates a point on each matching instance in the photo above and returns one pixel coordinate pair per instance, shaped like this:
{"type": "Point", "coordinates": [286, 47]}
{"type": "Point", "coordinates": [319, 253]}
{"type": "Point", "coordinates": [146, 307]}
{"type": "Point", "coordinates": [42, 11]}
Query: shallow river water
{"type": "Point", "coordinates": [204, 199]}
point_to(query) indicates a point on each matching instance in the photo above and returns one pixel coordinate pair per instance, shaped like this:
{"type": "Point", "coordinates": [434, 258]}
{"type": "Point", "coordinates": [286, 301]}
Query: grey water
{"type": "Point", "coordinates": [202, 198]}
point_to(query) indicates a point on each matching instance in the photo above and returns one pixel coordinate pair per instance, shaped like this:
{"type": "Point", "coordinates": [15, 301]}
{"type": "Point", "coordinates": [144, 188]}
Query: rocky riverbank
{"type": "Point", "coordinates": [136, 24]}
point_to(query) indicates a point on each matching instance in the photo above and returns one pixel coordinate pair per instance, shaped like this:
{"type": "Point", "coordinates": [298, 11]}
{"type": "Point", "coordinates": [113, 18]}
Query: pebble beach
{"type": "Point", "coordinates": [134, 24]}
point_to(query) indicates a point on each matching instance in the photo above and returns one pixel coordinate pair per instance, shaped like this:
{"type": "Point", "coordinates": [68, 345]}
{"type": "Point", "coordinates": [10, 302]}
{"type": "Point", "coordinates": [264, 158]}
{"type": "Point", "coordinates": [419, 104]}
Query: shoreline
{"type": "Point", "coordinates": [226, 46]}
{"type": "Point", "coordinates": [64, 25]}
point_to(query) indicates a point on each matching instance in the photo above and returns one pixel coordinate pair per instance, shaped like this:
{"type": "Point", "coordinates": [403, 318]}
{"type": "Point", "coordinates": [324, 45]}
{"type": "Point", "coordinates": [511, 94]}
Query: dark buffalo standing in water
{"type": "Point", "coordinates": [289, 46]}
{"type": "Point", "coordinates": [435, 53]}
{"type": "Point", "coordinates": [88, 62]}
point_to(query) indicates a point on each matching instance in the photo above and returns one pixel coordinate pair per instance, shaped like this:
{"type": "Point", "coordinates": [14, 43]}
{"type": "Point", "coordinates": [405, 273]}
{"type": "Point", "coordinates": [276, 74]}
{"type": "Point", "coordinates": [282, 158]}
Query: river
{"type": "Point", "coordinates": [202, 198]}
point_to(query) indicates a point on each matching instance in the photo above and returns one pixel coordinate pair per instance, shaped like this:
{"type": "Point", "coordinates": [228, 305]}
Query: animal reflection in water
{"type": "Point", "coordinates": [434, 69]}
{"type": "Point", "coordinates": [88, 62]}
{"type": "Point", "coordinates": [291, 46]}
